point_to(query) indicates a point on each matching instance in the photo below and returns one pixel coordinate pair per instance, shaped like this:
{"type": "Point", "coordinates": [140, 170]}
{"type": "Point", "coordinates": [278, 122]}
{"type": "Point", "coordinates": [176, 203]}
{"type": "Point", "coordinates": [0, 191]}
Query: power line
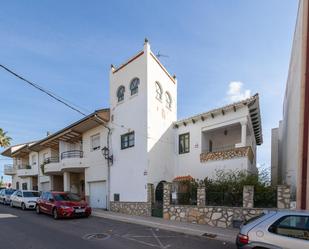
{"type": "Point", "coordinates": [67, 103]}
{"type": "Point", "coordinates": [38, 87]}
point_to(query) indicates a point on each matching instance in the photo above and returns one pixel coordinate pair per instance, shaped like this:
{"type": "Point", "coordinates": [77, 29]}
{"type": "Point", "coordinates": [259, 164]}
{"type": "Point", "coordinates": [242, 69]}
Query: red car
{"type": "Point", "coordinates": [62, 205]}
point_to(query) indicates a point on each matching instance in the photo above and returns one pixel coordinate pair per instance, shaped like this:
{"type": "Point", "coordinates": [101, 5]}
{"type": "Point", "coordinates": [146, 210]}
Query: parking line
{"type": "Point", "coordinates": [4, 216]}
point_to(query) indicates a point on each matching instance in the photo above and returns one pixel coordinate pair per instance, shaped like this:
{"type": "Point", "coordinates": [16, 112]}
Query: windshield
{"type": "Point", "coordinates": [66, 197]}
{"type": "Point", "coordinates": [31, 194]}
{"type": "Point", "coordinates": [9, 191]}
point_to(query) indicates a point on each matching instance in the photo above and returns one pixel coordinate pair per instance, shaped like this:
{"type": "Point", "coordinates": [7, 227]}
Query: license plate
{"type": "Point", "coordinates": [79, 210]}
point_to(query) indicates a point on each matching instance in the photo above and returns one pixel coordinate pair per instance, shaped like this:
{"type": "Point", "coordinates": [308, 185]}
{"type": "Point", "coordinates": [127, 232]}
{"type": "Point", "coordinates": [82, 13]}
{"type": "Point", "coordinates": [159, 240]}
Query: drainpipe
{"type": "Point", "coordinates": [102, 122]}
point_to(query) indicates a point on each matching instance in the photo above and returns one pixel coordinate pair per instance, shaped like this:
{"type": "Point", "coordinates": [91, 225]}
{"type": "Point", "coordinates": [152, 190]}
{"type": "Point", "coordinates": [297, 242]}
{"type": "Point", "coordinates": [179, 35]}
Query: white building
{"type": "Point", "coordinates": [113, 155]}
{"type": "Point", "coordinates": [291, 145]}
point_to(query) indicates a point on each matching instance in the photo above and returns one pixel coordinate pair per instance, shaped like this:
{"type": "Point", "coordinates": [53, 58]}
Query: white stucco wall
{"type": "Point", "coordinates": [161, 142]}
{"type": "Point", "coordinates": [292, 106]}
{"type": "Point", "coordinates": [127, 172]}
{"type": "Point", "coordinates": [96, 165]}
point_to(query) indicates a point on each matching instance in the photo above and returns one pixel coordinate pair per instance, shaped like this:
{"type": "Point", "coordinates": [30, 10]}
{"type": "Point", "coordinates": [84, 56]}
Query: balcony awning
{"type": "Point", "coordinates": [72, 133]}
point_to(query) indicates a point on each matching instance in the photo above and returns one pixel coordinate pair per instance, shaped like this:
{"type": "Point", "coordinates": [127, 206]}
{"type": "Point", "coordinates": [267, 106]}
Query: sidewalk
{"type": "Point", "coordinates": [225, 234]}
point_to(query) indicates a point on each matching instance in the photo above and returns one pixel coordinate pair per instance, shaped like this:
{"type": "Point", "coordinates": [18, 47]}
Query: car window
{"type": "Point", "coordinates": [50, 196]}
{"type": "Point", "coordinates": [19, 194]}
{"type": "Point", "coordinates": [1, 192]}
{"type": "Point", "coordinates": [66, 197]}
{"type": "Point", "coordinates": [296, 226]}
{"type": "Point", "coordinates": [9, 191]}
{"type": "Point", "coordinates": [29, 194]}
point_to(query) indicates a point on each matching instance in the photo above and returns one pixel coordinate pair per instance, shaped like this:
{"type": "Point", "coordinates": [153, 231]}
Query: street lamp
{"type": "Point", "coordinates": [106, 155]}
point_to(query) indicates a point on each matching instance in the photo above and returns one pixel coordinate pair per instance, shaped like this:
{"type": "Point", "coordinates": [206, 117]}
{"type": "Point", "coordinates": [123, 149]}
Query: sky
{"type": "Point", "coordinates": [220, 50]}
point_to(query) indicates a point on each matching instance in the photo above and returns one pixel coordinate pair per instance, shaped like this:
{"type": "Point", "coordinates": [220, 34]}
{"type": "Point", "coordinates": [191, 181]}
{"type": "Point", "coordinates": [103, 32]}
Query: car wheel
{"type": "Point", "coordinates": [23, 206]}
{"type": "Point", "coordinates": [37, 209]}
{"type": "Point", "coordinates": [55, 214]}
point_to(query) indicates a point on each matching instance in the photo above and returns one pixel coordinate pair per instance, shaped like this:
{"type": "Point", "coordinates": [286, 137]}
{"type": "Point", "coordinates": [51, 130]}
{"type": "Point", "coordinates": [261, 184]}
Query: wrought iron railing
{"type": "Point", "coordinates": [72, 154]}
{"type": "Point", "coordinates": [52, 159]}
{"type": "Point", "coordinates": [24, 166]}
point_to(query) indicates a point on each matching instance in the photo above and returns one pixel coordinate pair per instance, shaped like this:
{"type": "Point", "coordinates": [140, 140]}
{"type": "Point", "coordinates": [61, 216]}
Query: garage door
{"type": "Point", "coordinates": [45, 186]}
{"type": "Point", "coordinates": [97, 194]}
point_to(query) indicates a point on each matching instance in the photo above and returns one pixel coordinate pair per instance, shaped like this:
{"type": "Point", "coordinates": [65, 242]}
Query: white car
{"type": "Point", "coordinates": [26, 199]}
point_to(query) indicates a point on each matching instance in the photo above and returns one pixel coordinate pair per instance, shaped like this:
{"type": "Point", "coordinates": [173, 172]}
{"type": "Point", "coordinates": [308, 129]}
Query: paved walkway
{"type": "Point", "coordinates": [225, 234]}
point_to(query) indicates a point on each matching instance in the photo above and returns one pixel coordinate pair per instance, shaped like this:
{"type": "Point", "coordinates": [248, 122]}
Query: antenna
{"type": "Point", "coordinates": [161, 55]}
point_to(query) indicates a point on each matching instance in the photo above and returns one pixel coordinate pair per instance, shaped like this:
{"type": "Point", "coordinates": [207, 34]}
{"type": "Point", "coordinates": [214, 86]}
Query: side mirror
{"type": "Point", "coordinates": [51, 199]}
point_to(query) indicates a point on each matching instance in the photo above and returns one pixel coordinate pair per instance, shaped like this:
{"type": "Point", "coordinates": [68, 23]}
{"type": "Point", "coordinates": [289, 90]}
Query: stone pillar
{"type": "Point", "coordinates": [201, 196]}
{"type": "Point", "coordinates": [150, 193]}
{"type": "Point", "coordinates": [243, 133]}
{"type": "Point", "coordinates": [66, 181]}
{"type": "Point", "coordinates": [247, 196]}
{"type": "Point", "coordinates": [283, 196]}
{"type": "Point", "coordinates": [167, 192]}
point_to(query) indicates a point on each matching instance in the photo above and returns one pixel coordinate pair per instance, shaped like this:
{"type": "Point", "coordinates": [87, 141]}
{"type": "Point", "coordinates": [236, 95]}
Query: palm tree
{"type": "Point", "coordinates": [4, 139]}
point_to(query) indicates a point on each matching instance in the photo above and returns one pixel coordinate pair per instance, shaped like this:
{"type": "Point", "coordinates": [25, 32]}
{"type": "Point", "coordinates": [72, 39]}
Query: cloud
{"type": "Point", "coordinates": [236, 92]}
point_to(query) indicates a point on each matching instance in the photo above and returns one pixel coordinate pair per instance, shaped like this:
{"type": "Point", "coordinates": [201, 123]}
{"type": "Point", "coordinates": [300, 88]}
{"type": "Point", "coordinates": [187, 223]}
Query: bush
{"type": "Point", "coordinates": [226, 189]}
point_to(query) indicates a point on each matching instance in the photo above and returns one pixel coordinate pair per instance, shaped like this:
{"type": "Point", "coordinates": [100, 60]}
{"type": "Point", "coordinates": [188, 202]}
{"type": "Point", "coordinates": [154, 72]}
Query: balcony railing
{"type": "Point", "coordinates": [23, 166]}
{"type": "Point", "coordinates": [9, 169]}
{"type": "Point", "coordinates": [52, 159]}
{"type": "Point", "coordinates": [72, 154]}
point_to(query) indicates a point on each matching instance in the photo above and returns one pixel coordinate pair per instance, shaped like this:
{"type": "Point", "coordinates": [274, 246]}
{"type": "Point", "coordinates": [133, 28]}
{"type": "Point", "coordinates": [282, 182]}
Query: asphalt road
{"type": "Point", "coordinates": [27, 230]}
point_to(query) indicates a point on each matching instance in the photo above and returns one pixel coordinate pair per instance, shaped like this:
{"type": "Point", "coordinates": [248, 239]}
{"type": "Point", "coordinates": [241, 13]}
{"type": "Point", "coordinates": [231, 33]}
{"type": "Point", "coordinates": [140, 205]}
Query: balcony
{"type": "Point", "coordinates": [24, 170]}
{"type": "Point", "coordinates": [226, 153]}
{"type": "Point", "coordinates": [72, 161]}
{"type": "Point", "coordinates": [69, 161]}
{"type": "Point", "coordinates": [51, 166]}
{"type": "Point", "coordinates": [9, 169]}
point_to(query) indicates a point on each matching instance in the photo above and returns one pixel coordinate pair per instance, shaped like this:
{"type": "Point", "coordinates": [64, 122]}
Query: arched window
{"type": "Point", "coordinates": [168, 100]}
{"type": "Point", "coordinates": [120, 93]}
{"type": "Point", "coordinates": [134, 86]}
{"type": "Point", "coordinates": [158, 91]}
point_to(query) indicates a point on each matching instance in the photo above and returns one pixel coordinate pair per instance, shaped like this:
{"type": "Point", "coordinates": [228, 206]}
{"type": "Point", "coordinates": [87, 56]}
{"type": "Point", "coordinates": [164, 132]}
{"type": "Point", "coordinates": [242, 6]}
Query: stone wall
{"type": "Point", "coordinates": [217, 215]}
{"type": "Point", "coordinates": [210, 215]}
{"type": "Point", "coordinates": [135, 208]}
{"type": "Point", "coordinates": [131, 208]}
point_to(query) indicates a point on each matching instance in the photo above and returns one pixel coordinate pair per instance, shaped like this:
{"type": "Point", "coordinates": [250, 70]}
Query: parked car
{"type": "Point", "coordinates": [26, 199]}
{"type": "Point", "coordinates": [275, 230]}
{"type": "Point", "coordinates": [5, 195]}
{"type": "Point", "coordinates": [62, 205]}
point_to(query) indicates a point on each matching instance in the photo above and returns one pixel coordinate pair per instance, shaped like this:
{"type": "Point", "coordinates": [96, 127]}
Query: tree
{"type": "Point", "coordinates": [4, 139]}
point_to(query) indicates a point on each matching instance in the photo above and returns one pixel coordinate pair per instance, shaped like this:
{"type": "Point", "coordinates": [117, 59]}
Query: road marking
{"type": "Point", "coordinates": [158, 240]}
{"type": "Point", "coordinates": [137, 238]}
{"type": "Point", "coordinates": [3, 216]}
